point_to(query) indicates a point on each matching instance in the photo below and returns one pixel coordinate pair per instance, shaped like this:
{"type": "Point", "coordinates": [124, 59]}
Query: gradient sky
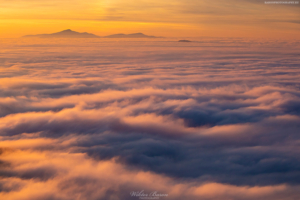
{"type": "Point", "coordinates": [170, 18]}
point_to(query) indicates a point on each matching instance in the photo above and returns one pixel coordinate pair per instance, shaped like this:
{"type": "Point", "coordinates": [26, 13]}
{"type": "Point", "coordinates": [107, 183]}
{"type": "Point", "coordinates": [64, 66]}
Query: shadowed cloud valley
{"type": "Point", "coordinates": [216, 118]}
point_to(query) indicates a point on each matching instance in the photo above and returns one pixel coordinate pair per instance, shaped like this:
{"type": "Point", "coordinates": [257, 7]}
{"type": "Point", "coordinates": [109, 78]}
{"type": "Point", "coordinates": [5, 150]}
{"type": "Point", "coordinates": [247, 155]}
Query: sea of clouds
{"type": "Point", "coordinates": [98, 119]}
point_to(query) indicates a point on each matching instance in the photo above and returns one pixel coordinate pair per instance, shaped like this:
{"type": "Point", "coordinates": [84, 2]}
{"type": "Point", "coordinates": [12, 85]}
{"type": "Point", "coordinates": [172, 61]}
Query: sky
{"type": "Point", "coordinates": [169, 18]}
{"type": "Point", "coordinates": [99, 119]}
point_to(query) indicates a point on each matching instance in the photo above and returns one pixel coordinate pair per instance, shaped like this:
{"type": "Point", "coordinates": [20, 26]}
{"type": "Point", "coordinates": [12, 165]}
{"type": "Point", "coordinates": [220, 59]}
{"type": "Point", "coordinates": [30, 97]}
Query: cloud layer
{"type": "Point", "coordinates": [217, 118]}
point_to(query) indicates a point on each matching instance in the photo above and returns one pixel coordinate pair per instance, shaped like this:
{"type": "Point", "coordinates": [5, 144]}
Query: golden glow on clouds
{"type": "Point", "coordinates": [97, 119]}
{"type": "Point", "coordinates": [76, 176]}
{"type": "Point", "coordinates": [166, 18]}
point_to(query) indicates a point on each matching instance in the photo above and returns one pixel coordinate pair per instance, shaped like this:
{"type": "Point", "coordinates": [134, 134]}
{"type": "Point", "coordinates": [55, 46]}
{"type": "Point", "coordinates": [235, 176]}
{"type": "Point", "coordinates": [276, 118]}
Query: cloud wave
{"type": "Point", "coordinates": [211, 119]}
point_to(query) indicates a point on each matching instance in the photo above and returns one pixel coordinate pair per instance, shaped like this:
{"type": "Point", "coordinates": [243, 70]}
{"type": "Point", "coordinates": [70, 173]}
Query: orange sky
{"type": "Point", "coordinates": [169, 18]}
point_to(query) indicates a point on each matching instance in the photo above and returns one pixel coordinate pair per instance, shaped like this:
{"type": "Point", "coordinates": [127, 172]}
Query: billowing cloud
{"type": "Point", "coordinates": [211, 119]}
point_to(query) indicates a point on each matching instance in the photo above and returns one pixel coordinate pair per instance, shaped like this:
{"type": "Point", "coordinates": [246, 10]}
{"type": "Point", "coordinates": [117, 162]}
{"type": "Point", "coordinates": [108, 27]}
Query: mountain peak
{"type": "Point", "coordinates": [68, 33]}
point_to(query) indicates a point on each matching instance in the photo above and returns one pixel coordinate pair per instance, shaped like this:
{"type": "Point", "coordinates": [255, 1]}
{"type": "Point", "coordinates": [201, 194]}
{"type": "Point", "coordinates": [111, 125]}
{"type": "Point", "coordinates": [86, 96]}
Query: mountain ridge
{"type": "Point", "coordinates": [68, 33]}
{"type": "Point", "coordinates": [132, 35]}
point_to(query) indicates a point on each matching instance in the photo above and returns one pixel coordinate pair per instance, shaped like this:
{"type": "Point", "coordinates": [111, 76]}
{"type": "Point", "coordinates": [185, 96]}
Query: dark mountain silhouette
{"type": "Point", "coordinates": [65, 34]}
{"type": "Point", "coordinates": [133, 35]}
{"type": "Point", "coordinates": [184, 41]}
{"type": "Point", "coordinates": [73, 34]}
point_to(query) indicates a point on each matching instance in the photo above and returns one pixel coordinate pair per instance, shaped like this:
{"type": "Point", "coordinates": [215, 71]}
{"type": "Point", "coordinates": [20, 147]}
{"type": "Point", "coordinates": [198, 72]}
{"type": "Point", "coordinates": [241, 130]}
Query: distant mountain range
{"type": "Point", "coordinates": [184, 41]}
{"type": "Point", "coordinates": [133, 35]}
{"type": "Point", "coordinates": [73, 34]}
{"type": "Point", "coordinates": [65, 34]}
